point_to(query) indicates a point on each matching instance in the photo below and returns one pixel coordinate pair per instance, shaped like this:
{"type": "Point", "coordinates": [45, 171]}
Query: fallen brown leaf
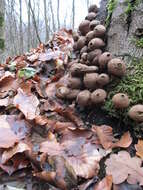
{"type": "Point", "coordinates": [18, 148]}
{"type": "Point", "coordinates": [105, 135]}
{"type": "Point", "coordinates": [139, 149]}
{"type": "Point", "coordinates": [75, 146]}
{"type": "Point", "coordinates": [7, 136]}
{"type": "Point", "coordinates": [105, 184]}
{"type": "Point", "coordinates": [27, 104]}
{"type": "Point", "coordinates": [124, 167]}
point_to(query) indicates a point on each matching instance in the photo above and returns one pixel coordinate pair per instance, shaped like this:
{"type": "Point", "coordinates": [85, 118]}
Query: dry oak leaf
{"type": "Point", "coordinates": [7, 137]}
{"type": "Point", "coordinates": [18, 148]}
{"type": "Point", "coordinates": [76, 148]}
{"type": "Point", "coordinates": [61, 175]}
{"type": "Point", "coordinates": [124, 167]}
{"type": "Point", "coordinates": [139, 149]}
{"type": "Point", "coordinates": [106, 138]}
{"type": "Point", "coordinates": [105, 184]}
{"type": "Point", "coordinates": [27, 103]}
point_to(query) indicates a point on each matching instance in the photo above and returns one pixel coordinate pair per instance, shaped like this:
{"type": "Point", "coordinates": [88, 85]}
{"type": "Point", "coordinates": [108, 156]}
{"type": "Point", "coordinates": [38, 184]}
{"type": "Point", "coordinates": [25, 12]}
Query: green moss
{"type": "Point", "coordinates": [1, 20]}
{"type": "Point", "coordinates": [2, 44]}
{"type": "Point", "coordinates": [132, 85]}
{"type": "Point", "coordinates": [138, 42]}
{"type": "Point", "coordinates": [131, 5]}
{"type": "Point", "coordinates": [110, 7]}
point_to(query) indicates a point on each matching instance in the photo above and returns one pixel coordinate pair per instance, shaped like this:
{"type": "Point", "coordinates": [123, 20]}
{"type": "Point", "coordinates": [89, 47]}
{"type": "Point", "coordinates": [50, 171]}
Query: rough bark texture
{"type": "Point", "coordinates": [125, 29]}
{"type": "Point", "coordinates": [1, 28]}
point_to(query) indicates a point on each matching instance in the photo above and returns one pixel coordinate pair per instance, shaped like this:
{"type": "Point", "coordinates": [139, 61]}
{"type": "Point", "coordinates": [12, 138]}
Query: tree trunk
{"type": "Point", "coordinates": [58, 13]}
{"type": "Point", "coordinates": [52, 13]}
{"type": "Point", "coordinates": [46, 21]}
{"type": "Point", "coordinates": [20, 27]}
{"type": "Point", "coordinates": [73, 13]}
{"type": "Point", "coordinates": [28, 33]}
{"type": "Point", "coordinates": [2, 40]}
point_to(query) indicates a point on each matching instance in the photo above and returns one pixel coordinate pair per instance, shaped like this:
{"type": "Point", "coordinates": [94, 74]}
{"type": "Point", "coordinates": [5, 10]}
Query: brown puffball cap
{"type": "Point", "coordinates": [120, 101]}
{"type": "Point", "coordinates": [99, 30]}
{"type": "Point", "coordinates": [117, 67]}
{"type": "Point", "coordinates": [89, 36]}
{"type": "Point", "coordinates": [93, 8]}
{"type": "Point", "coordinates": [104, 59]}
{"type": "Point", "coordinates": [72, 94]}
{"type": "Point", "coordinates": [83, 98]}
{"type": "Point", "coordinates": [91, 16]}
{"type": "Point", "coordinates": [90, 80]}
{"type": "Point", "coordinates": [74, 82]}
{"type": "Point", "coordinates": [81, 42]}
{"type": "Point", "coordinates": [75, 36]}
{"type": "Point", "coordinates": [96, 43]}
{"type": "Point", "coordinates": [98, 96]}
{"type": "Point", "coordinates": [136, 113]}
{"type": "Point", "coordinates": [83, 50]}
{"type": "Point", "coordinates": [95, 53]}
{"type": "Point", "coordinates": [103, 79]}
{"type": "Point", "coordinates": [84, 27]}
{"type": "Point", "coordinates": [93, 24]}
{"type": "Point", "coordinates": [62, 92]}
{"type": "Point", "coordinates": [84, 56]}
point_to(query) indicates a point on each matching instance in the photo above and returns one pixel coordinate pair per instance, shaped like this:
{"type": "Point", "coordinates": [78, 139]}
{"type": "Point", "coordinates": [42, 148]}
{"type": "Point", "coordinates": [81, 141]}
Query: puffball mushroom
{"type": "Point", "coordinates": [98, 96]}
{"type": "Point", "coordinates": [93, 24]}
{"type": "Point", "coordinates": [72, 94]}
{"type": "Point", "coordinates": [62, 92]}
{"type": "Point", "coordinates": [90, 80]}
{"type": "Point", "coordinates": [81, 42]}
{"type": "Point", "coordinates": [78, 69]}
{"type": "Point", "coordinates": [75, 36]}
{"type": "Point", "coordinates": [120, 101]}
{"type": "Point", "coordinates": [95, 53]}
{"type": "Point", "coordinates": [91, 16]}
{"type": "Point", "coordinates": [136, 113]}
{"type": "Point", "coordinates": [93, 8]}
{"type": "Point", "coordinates": [74, 82]}
{"type": "Point", "coordinates": [104, 59]}
{"type": "Point", "coordinates": [89, 36]}
{"type": "Point", "coordinates": [84, 27]}
{"type": "Point", "coordinates": [96, 43]}
{"type": "Point", "coordinates": [83, 50]}
{"type": "Point", "coordinates": [99, 31]}
{"type": "Point", "coordinates": [84, 56]}
{"type": "Point", "coordinates": [117, 67]}
{"type": "Point", "coordinates": [83, 98]}
{"type": "Point", "coordinates": [103, 79]}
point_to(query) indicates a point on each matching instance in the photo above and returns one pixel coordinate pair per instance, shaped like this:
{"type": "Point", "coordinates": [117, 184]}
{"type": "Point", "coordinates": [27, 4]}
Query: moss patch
{"type": "Point", "coordinates": [131, 5]}
{"type": "Point", "coordinates": [110, 7]}
{"type": "Point", "coordinates": [1, 20]}
{"type": "Point", "coordinates": [138, 42]}
{"type": "Point", "coordinates": [2, 44]}
{"type": "Point", "coordinates": [132, 85]}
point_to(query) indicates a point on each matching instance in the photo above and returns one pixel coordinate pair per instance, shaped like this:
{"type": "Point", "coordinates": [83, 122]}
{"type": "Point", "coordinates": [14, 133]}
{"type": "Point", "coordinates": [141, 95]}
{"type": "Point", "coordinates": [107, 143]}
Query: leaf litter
{"type": "Point", "coordinates": [46, 137]}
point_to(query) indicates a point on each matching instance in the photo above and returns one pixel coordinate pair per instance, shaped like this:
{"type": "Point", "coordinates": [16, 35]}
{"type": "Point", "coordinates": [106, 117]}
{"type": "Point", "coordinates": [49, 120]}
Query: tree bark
{"type": "Point", "coordinates": [73, 13]}
{"type": "Point", "coordinates": [46, 21]}
{"type": "Point", "coordinates": [2, 40]}
{"type": "Point", "coordinates": [20, 27]}
{"type": "Point", "coordinates": [58, 13]}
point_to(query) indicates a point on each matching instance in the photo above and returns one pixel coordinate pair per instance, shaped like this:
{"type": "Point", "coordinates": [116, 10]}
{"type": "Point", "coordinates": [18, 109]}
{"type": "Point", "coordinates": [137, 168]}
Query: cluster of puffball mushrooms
{"type": "Point", "coordinates": [94, 68]}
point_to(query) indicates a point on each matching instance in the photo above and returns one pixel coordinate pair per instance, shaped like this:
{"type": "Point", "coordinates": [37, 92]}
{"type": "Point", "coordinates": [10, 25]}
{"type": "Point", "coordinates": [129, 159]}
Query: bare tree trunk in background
{"type": "Point", "coordinates": [46, 21]}
{"type": "Point", "coordinates": [58, 13]}
{"type": "Point", "coordinates": [2, 41]}
{"type": "Point", "coordinates": [87, 4]}
{"type": "Point", "coordinates": [73, 14]}
{"type": "Point", "coordinates": [20, 27]}
{"type": "Point", "coordinates": [28, 30]}
{"type": "Point", "coordinates": [34, 22]}
{"type": "Point", "coordinates": [52, 13]}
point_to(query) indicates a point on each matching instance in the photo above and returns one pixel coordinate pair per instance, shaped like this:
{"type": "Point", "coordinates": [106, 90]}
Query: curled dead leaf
{"type": "Point", "coordinates": [124, 167]}
{"type": "Point", "coordinates": [105, 184]}
{"type": "Point", "coordinates": [27, 104]}
{"type": "Point", "coordinates": [139, 149]}
{"type": "Point", "coordinates": [105, 135]}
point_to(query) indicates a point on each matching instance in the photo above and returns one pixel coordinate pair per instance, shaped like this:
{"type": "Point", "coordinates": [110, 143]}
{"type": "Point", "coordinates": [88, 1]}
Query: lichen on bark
{"type": "Point", "coordinates": [1, 19]}
{"type": "Point", "coordinates": [2, 44]}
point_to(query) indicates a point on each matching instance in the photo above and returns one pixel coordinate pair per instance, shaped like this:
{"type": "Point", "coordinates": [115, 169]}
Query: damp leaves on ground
{"type": "Point", "coordinates": [44, 138]}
